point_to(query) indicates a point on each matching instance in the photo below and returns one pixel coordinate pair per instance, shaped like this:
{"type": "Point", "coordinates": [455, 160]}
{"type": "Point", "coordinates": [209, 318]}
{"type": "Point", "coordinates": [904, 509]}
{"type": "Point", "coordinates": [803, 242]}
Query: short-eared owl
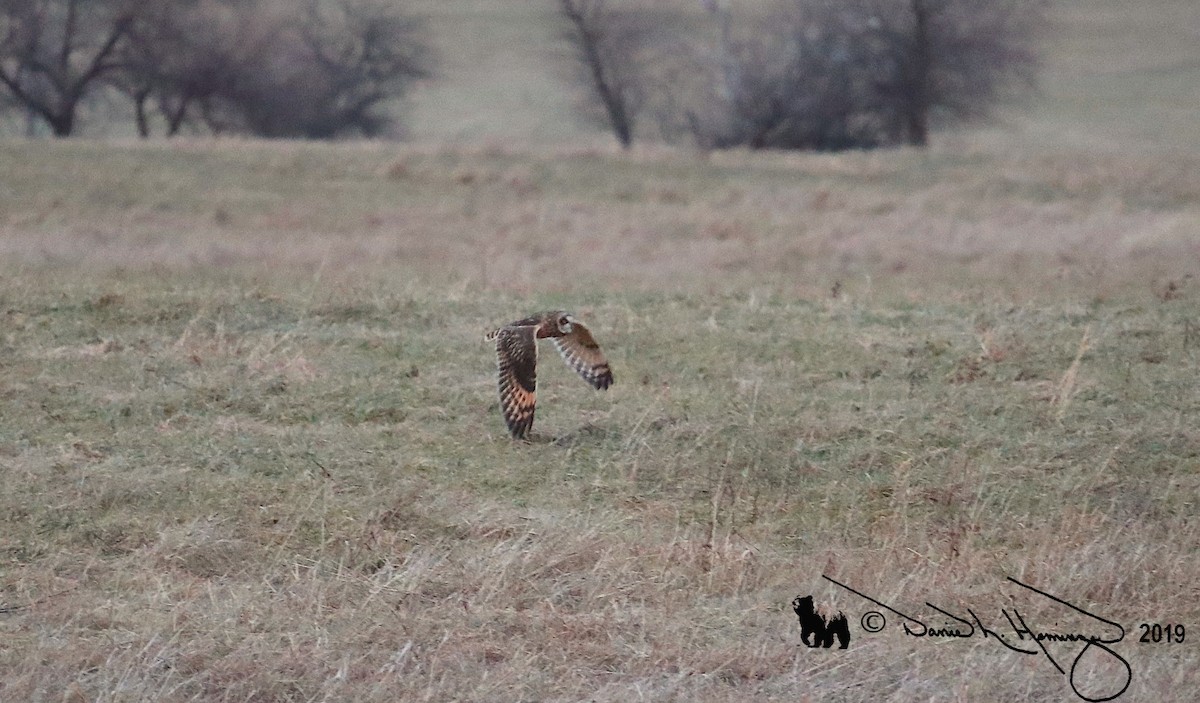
{"type": "Point", "coordinates": [516, 361]}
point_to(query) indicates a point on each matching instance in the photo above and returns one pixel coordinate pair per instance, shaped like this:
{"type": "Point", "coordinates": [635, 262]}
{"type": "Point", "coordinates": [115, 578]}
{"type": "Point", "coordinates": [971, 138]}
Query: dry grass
{"type": "Point", "coordinates": [904, 223]}
{"type": "Point", "coordinates": [262, 460]}
{"type": "Point", "coordinates": [250, 450]}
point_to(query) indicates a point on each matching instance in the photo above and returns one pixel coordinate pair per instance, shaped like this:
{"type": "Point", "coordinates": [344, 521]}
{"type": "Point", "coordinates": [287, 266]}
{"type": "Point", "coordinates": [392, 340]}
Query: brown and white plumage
{"type": "Point", "coordinates": [516, 362]}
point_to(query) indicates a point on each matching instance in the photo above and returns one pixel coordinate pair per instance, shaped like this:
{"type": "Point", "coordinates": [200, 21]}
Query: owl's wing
{"type": "Point", "coordinates": [580, 351]}
{"type": "Point", "coordinates": [516, 365]}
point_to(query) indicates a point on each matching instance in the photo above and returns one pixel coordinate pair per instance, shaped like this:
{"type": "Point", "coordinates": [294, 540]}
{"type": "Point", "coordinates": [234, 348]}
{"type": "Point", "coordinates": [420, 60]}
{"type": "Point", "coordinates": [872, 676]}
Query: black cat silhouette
{"type": "Point", "coordinates": [822, 631]}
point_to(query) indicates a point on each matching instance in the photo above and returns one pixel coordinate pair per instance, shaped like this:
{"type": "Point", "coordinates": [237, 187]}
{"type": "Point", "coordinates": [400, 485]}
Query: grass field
{"type": "Point", "coordinates": [250, 448]}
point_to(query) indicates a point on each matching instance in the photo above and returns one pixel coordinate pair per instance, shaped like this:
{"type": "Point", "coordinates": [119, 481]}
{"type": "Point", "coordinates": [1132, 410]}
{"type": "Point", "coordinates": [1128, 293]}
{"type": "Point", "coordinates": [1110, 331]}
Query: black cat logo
{"type": "Point", "coordinates": [822, 631]}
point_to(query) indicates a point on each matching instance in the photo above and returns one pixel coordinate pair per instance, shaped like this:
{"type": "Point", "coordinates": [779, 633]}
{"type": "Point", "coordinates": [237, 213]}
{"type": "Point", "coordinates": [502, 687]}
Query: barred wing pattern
{"type": "Point", "coordinates": [581, 352]}
{"type": "Point", "coordinates": [516, 362]}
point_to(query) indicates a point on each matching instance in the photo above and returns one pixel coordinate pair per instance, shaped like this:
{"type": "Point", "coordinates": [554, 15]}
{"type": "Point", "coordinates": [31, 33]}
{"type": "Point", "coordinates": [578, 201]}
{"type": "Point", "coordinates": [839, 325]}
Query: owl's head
{"type": "Point", "coordinates": [564, 322]}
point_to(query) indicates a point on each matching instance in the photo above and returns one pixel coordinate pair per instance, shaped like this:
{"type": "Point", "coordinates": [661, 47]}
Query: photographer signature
{"type": "Point", "coordinates": [963, 628]}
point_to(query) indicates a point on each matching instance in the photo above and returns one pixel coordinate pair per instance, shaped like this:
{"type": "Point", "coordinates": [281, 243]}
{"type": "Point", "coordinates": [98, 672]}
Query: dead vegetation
{"type": "Point", "coordinates": [250, 450]}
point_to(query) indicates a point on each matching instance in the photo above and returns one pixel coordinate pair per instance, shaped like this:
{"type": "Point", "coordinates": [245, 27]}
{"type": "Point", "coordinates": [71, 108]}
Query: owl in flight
{"type": "Point", "coordinates": [516, 361]}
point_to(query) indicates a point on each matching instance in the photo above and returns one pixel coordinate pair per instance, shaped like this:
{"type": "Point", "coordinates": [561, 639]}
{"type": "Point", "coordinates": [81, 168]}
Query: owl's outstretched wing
{"type": "Point", "coordinates": [516, 366]}
{"type": "Point", "coordinates": [581, 352]}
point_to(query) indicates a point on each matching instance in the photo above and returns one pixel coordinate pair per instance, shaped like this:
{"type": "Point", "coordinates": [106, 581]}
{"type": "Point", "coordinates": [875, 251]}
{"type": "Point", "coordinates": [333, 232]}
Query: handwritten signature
{"type": "Point", "coordinates": [964, 628]}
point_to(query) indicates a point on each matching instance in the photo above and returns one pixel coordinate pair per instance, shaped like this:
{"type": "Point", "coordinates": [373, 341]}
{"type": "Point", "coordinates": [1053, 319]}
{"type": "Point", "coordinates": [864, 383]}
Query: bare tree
{"type": "Point", "coordinates": [275, 68]}
{"type": "Point", "coordinates": [837, 74]}
{"type": "Point", "coordinates": [53, 51]}
{"type": "Point", "coordinates": [605, 41]}
{"type": "Point", "coordinates": [181, 55]}
{"type": "Point", "coordinates": [955, 57]}
{"type": "Point", "coordinates": [331, 71]}
{"type": "Point", "coordinates": [791, 79]}
{"type": "Point", "coordinates": [320, 70]}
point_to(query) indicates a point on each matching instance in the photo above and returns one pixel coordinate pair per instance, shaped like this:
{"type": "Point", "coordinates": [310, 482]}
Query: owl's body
{"type": "Point", "coordinates": [516, 362]}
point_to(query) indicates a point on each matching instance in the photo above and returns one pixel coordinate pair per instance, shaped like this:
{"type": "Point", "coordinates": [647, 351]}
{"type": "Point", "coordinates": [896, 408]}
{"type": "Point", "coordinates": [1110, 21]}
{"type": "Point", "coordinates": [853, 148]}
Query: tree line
{"type": "Point", "coordinates": [787, 74]}
{"type": "Point", "coordinates": [800, 74]}
{"type": "Point", "coordinates": [275, 68]}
